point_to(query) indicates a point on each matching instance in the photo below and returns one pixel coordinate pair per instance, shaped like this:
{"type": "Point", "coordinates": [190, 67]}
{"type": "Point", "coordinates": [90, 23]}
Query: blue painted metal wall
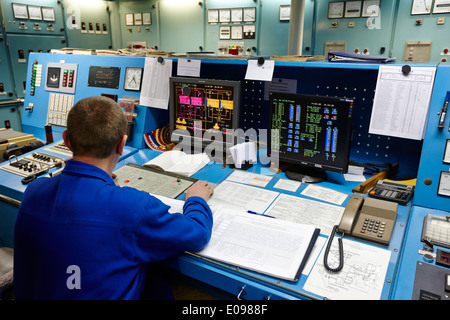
{"type": "Point", "coordinates": [33, 122]}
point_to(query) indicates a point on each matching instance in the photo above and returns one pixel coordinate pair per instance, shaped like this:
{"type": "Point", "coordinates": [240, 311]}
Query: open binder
{"type": "Point", "coordinates": [265, 245]}
{"type": "Point", "coordinates": [354, 57]}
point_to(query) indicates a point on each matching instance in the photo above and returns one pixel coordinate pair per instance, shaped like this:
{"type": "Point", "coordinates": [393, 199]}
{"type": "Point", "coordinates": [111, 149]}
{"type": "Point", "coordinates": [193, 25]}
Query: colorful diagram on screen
{"type": "Point", "coordinates": [203, 107]}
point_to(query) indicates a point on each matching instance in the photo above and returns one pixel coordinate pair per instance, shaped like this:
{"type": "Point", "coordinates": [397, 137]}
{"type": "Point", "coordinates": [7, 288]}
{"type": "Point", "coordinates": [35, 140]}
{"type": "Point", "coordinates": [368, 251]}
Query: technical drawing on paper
{"type": "Point", "coordinates": [362, 277]}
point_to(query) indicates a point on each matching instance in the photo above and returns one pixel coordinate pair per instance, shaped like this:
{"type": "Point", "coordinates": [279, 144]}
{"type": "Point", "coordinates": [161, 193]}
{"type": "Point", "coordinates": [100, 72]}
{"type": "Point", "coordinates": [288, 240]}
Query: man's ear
{"type": "Point", "coordinates": [66, 139]}
{"type": "Point", "coordinates": [121, 144]}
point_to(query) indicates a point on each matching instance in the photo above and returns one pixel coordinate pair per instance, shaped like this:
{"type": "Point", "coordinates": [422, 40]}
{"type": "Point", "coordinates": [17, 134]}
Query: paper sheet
{"type": "Point", "coordinates": [300, 210]}
{"type": "Point", "coordinates": [324, 194]}
{"type": "Point", "coordinates": [401, 102]}
{"type": "Point", "coordinates": [262, 72]}
{"type": "Point", "coordinates": [258, 243]}
{"type": "Point", "coordinates": [288, 185]}
{"type": "Point", "coordinates": [251, 178]}
{"type": "Point", "coordinates": [361, 278]}
{"type": "Point", "coordinates": [155, 83]}
{"type": "Point", "coordinates": [242, 197]}
{"type": "Point", "coordinates": [188, 67]}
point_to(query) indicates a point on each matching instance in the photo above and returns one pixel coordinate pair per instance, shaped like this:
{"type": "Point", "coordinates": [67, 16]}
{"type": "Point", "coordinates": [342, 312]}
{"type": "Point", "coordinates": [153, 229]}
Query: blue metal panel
{"type": "Point", "coordinates": [147, 118]}
{"type": "Point", "coordinates": [431, 161]}
{"type": "Point", "coordinates": [404, 284]}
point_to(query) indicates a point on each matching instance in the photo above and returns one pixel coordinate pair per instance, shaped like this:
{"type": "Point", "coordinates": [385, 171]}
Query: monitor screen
{"type": "Point", "coordinates": [312, 132]}
{"type": "Point", "coordinates": [203, 110]}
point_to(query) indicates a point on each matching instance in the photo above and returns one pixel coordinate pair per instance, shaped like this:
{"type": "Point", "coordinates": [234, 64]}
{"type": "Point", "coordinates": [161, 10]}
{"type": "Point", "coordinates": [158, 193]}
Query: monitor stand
{"type": "Point", "coordinates": [306, 174]}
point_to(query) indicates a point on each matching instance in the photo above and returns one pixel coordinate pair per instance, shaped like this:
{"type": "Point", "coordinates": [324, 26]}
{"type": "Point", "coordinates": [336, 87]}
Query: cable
{"type": "Point", "coordinates": [341, 252]}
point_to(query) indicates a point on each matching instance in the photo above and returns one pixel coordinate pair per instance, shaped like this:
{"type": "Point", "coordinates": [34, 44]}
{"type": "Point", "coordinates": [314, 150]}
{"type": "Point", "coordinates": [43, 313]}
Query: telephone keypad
{"type": "Point", "coordinates": [375, 226]}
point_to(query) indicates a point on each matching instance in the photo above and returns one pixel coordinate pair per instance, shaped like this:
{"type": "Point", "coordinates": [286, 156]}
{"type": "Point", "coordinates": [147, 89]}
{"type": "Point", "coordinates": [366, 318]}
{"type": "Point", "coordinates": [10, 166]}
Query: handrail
{"type": "Point", "coordinates": [8, 200]}
{"type": "Point", "coordinates": [4, 103]}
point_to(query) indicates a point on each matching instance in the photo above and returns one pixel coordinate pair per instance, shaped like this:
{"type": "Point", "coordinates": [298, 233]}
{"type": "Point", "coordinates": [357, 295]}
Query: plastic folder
{"type": "Point", "coordinates": [354, 57]}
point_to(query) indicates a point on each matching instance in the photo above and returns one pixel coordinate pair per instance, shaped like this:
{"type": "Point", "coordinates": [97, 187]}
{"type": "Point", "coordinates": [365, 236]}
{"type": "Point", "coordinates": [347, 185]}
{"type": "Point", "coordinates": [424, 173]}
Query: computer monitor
{"type": "Point", "coordinates": [203, 112]}
{"type": "Point", "coordinates": [311, 133]}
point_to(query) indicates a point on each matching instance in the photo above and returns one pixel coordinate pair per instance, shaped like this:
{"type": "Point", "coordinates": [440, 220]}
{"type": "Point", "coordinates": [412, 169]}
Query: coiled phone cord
{"type": "Point", "coordinates": [341, 252]}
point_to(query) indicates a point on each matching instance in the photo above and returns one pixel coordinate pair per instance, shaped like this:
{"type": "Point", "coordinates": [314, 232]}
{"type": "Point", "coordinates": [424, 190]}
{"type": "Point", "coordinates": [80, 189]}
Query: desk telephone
{"type": "Point", "coordinates": [370, 219]}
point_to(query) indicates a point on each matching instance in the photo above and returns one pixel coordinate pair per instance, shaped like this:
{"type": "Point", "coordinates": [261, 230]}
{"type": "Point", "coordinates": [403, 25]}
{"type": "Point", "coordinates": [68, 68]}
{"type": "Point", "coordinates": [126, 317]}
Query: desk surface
{"type": "Point", "coordinates": [405, 241]}
{"type": "Point", "coordinates": [207, 270]}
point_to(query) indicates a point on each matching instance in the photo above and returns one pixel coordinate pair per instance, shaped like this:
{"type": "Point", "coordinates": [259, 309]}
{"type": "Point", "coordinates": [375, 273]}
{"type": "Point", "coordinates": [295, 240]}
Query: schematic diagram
{"type": "Point", "coordinates": [199, 109]}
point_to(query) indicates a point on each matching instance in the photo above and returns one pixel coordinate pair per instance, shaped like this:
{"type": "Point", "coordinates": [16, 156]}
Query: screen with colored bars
{"type": "Point", "coordinates": [203, 109]}
{"type": "Point", "coordinates": [311, 131]}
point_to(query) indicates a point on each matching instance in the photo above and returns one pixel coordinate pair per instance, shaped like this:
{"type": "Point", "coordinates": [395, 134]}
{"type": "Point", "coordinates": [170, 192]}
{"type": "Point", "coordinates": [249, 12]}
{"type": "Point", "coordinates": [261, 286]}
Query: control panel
{"type": "Point", "coordinates": [35, 163]}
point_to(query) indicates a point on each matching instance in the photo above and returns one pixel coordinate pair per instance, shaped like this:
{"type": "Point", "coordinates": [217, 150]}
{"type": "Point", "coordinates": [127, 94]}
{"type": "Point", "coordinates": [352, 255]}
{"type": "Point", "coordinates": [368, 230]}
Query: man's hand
{"type": "Point", "coordinates": [200, 189]}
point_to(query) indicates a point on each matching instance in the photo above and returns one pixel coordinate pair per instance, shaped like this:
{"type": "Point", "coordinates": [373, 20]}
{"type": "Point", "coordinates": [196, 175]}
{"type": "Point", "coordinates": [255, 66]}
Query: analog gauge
{"type": "Point", "coordinates": [20, 11]}
{"type": "Point", "coordinates": [421, 7]}
{"type": "Point", "coordinates": [352, 9]}
{"type": "Point", "coordinates": [224, 15]}
{"type": "Point", "coordinates": [285, 12]}
{"type": "Point", "coordinates": [213, 15]}
{"type": "Point", "coordinates": [250, 14]}
{"type": "Point", "coordinates": [336, 10]}
{"type": "Point", "coordinates": [133, 77]}
{"type": "Point", "coordinates": [236, 14]}
{"type": "Point", "coordinates": [236, 32]}
{"type": "Point", "coordinates": [441, 6]}
{"type": "Point", "coordinates": [371, 8]}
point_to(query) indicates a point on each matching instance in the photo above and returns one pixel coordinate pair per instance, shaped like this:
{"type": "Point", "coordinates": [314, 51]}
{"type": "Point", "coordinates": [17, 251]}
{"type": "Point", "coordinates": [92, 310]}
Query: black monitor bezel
{"type": "Point", "coordinates": [175, 137]}
{"type": "Point", "coordinates": [311, 164]}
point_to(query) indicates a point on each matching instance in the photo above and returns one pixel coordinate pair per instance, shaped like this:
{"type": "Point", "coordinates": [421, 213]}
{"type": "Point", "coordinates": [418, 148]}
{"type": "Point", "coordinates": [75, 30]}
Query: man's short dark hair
{"type": "Point", "coordinates": [95, 125]}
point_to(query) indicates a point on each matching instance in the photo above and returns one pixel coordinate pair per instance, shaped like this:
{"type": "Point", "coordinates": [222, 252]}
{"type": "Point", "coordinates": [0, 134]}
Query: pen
{"type": "Point", "coordinates": [263, 215]}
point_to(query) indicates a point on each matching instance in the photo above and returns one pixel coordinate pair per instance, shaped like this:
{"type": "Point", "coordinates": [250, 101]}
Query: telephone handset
{"type": "Point", "coordinates": [368, 219]}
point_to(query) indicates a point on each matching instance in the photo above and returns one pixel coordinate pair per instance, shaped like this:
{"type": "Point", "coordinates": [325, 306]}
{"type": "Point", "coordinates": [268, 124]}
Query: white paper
{"type": "Point", "coordinates": [324, 194]}
{"type": "Point", "coordinates": [401, 102]}
{"type": "Point", "coordinates": [262, 72]}
{"type": "Point", "coordinates": [255, 179]}
{"type": "Point", "coordinates": [300, 210]}
{"type": "Point", "coordinates": [243, 152]}
{"type": "Point", "coordinates": [288, 185]}
{"type": "Point", "coordinates": [155, 90]}
{"type": "Point", "coordinates": [265, 245]}
{"type": "Point", "coordinates": [188, 67]}
{"type": "Point", "coordinates": [241, 197]}
{"type": "Point", "coordinates": [361, 278]}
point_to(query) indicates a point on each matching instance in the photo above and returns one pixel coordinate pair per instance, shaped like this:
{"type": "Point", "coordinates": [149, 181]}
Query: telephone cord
{"type": "Point", "coordinates": [341, 252]}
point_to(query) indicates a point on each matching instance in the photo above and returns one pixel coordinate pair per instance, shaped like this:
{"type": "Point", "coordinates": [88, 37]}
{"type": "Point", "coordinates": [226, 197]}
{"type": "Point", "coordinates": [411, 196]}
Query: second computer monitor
{"type": "Point", "coordinates": [311, 132]}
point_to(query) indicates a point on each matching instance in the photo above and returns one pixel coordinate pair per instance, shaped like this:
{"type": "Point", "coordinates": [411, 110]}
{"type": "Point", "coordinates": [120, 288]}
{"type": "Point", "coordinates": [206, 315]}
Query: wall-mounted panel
{"type": "Point", "coordinates": [181, 25]}
{"type": "Point", "coordinates": [139, 23]}
{"type": "Point", "coordinates": [6, 82]}
{"type": "Point", "coordinates": [42, 17]}
{"type": "Point", "coordinates": [88, 24]}
{"type": "Point", "coordinates": [425, 26]}
{"type": "Point", "coordinates": [361, 33]}
{"type": "Point", "coordinates": [19, 48]}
